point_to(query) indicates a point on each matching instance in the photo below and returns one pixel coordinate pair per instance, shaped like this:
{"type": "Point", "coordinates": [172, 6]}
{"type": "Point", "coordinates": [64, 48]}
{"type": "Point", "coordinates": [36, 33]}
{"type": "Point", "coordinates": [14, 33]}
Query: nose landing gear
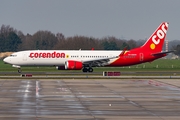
{"type": "Point", "coordinates": [18, 67]}
{"type": "Point", "coordinates": [19, 70]}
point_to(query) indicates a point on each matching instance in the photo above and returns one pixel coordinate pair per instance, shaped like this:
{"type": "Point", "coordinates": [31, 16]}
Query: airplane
{"type": "Point", "coordinates": [85, 60]}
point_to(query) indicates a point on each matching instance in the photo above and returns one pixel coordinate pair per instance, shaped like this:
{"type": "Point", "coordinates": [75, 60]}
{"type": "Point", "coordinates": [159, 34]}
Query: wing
{"type": "Point", "coordinates": [98, 62]}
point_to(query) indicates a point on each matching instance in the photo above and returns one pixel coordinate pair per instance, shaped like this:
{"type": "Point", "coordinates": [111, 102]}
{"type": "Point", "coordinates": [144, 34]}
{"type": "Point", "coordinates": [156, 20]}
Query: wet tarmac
{"type": "Point", "coordinates": [91, 99]}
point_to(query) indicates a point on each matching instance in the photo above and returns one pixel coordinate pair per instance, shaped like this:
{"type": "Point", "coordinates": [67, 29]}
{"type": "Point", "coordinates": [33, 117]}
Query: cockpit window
{"type": "Point", "coordinates": [13, 55]}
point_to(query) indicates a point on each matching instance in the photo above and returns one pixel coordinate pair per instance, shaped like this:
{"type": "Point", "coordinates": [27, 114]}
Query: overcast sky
{"type": "Point", "coordinates": [127, 19]}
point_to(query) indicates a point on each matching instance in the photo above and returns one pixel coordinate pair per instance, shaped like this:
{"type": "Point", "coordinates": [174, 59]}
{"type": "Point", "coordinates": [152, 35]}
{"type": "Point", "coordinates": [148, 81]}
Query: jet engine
{"type": "Point", "coordinates": [73, 65]}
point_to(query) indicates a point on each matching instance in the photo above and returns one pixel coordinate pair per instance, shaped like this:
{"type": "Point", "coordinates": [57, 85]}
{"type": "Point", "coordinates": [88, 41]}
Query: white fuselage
{"type": "Point", "coordinates": [57, 57]}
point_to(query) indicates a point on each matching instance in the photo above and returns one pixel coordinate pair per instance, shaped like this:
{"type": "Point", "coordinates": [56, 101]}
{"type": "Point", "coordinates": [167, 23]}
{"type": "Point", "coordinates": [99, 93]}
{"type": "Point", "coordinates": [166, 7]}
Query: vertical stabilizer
{"type": "Point", "coordinates": [156, 41]}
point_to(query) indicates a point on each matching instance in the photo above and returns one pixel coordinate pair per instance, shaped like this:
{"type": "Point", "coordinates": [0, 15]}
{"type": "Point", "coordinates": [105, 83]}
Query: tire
{"type": "Point", "coordinates": [84, 69]}
{"type": "Point", "coordinates": [90, 70]}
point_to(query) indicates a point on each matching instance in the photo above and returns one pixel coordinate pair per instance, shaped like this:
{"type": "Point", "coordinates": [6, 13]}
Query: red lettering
{"type": "Point", "coordinates": [40, 55]}
{"type": "Point", "coordinates": [62, 55]}
{"type": "Point", "coordinates": [53, 54]}
{"type": "Point", "coordinates": [31, 55]}
{"type": "Point", "coordinates": [44, 55]}
{"type": "Point", "coordinates": [58, 55]}
{"type": "Point", "coordinates": [47, 55]}
{"type": "Point", "coordinates": [36, 55]}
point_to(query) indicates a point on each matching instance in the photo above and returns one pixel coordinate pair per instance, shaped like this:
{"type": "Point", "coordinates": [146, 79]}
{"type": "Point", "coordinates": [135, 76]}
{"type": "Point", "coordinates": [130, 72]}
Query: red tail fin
{"type": "Point", "coordinates": [156, 40]}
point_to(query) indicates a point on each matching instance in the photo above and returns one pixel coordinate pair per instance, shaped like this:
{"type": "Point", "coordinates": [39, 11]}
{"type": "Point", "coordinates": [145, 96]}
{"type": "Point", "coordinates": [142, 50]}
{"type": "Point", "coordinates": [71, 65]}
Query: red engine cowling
{"type": "Point", "coordinates": [73, 65]}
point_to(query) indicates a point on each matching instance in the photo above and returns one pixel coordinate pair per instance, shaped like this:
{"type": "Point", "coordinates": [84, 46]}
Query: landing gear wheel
{"type": "Point", "coordinates": [84, 69]}
{"type": "Point", "coordinates": [90, 70]}
{"type": "Point", "coordinates": [87, 69]}
{"type": "Point", "coordinates": [19, 70]}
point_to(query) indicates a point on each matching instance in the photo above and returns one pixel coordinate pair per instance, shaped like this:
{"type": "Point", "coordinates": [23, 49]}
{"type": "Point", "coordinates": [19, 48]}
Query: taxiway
{"type": "Point", "coordinates": [90, 99]}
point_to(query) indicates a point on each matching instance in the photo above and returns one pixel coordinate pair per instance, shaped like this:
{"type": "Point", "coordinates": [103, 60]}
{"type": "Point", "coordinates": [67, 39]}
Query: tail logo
{"type": "Point", "coordinates": [159, 35]}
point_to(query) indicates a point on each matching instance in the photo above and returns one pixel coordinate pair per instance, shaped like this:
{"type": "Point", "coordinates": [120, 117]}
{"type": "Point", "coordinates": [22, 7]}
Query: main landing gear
{"type": "Point", "coordinates": [19, 70]}
{"type": "Point", "coordinates": [87, 69]}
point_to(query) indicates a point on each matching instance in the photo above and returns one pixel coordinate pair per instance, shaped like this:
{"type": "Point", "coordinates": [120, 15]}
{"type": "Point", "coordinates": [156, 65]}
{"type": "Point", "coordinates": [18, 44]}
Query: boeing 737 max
{"type": "Point", "coordinates": [87, 59]}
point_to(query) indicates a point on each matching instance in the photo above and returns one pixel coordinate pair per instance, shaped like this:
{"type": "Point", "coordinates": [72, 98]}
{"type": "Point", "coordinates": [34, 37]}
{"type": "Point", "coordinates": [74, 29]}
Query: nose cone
{"type": "Point", "coordinates": [6, 60]}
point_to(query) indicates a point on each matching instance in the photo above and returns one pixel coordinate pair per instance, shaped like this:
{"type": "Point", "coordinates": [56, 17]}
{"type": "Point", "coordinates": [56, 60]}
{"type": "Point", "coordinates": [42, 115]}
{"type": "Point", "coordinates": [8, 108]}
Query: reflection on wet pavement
{"type": "Point", "coordinates": [89, 99]}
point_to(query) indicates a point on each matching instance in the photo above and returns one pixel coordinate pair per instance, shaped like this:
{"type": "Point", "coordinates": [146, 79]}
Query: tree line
{"type": "Point", "coordinates": [14, 40]}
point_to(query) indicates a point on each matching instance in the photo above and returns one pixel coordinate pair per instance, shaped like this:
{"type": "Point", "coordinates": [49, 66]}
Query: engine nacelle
{"type": "Point", "coordinates": [73, 65]}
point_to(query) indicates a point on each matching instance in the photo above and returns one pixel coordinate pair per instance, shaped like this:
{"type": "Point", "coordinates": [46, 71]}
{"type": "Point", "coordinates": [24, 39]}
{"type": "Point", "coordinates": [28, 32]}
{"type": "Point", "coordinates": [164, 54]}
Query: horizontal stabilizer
{"type": "Point", "coordinates": [161, 53]}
